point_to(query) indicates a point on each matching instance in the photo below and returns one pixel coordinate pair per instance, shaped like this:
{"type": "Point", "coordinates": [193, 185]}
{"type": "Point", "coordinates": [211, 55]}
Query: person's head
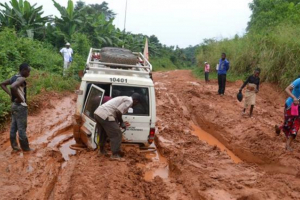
{"type": "Point", "coordinates": [116, 93]}
{"type": "Point", "coordinates": [68, 45]}
{"type": "Point", "coordinates": [24, 70]}
{"type": "Point", "coordinates": [135, 98]}
{"type": "Point", "coordinates": [256, 72]}
{"type": "Point", "coordinates": [205, 63]}
{"type": "Point", "coordinates": [223, 56]}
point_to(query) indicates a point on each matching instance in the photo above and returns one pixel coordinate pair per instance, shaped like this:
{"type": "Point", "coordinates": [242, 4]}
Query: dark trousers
{"type": "Point", "coordinates": [206, 76]}
{"type": "Point", "coordinates": [111, 130]}
{"type": "Point", "coordinates": [222, 83]}
{"type": "Point", "coordinates": [19, 124]}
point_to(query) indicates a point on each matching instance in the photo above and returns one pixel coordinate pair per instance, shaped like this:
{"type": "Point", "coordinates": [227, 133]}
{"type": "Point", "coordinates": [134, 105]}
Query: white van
{"type": "Point", "coordinates": [104, 79]}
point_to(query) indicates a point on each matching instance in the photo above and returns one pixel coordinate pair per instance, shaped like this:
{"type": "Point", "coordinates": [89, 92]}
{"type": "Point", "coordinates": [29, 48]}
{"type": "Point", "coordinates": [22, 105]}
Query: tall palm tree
{"type": "Point", "coordinates": [70, 20]}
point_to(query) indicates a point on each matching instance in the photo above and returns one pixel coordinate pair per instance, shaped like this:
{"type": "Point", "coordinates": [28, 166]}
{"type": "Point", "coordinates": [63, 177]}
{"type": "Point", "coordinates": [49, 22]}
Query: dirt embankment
{"type": "Point", "coordinates": [267, 170]}
{"type": "Point", "coordinates": [255, 167]}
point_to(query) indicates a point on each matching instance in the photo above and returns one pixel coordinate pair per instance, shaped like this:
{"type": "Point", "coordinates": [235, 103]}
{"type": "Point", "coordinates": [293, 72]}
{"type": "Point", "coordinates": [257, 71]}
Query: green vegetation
{"type": "Point", "coordinates": [213, 75]}
{"type": "Point", "coordinates": [46, 67]}
{"type": "Point", "coordinates": [28, 36]}
{"type": "Point", "coordinates": [271, 43]}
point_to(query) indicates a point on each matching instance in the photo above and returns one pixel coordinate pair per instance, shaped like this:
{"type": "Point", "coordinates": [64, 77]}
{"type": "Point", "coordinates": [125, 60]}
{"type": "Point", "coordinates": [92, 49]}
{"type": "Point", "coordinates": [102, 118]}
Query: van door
{"type": "Point", "coordinates": [94, 99]}
{"type": "Point", "coordinates": [139, 116]}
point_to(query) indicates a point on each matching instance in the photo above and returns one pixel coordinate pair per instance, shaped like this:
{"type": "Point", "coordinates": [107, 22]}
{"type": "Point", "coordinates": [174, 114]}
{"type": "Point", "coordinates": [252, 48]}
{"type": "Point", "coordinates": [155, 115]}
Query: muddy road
{"type": "Point", "coordinates": [206, 150]}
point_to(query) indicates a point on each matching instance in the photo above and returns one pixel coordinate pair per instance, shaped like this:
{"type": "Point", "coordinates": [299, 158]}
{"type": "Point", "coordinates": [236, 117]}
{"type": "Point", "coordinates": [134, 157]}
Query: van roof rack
{"type": "Point", "coordinates": [142, 68]}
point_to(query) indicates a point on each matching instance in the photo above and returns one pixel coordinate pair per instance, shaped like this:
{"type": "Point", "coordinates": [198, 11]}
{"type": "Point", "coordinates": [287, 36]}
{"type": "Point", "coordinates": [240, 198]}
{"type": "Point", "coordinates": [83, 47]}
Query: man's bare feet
{"type": "Point", "coordinates": [288, 148]}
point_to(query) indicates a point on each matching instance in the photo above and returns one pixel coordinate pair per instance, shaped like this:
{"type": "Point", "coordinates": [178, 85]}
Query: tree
{"type": "Point", "coordinates": [25, 18]}
{"type": "Point", "coordinates": [267, 14]}
{"type": "Point", "coordinates": [103, 8]}
{"type": "Point", "coordinates": [69, 20]}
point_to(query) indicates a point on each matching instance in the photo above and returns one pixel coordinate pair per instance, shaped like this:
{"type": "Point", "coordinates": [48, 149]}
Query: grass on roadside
{"type": "Point", "coordinates": [213, 75]}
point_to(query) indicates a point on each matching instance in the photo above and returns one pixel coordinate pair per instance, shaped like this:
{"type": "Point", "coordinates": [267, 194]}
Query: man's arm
{"type": "Point", "coordinates": [119, 117]}
{"type": "Point", "coordinates": [14, 89]}
{"type": "Point", "coordinates": [4, 86]}
{"type": "Point", "coordinates": [227, 67]}
{"type": "Point", "coordinates": [245, 83]}
{"type": "Point", "coordinates": [62, 53]}
{"type": "Point", "coordinates": [257, 87]}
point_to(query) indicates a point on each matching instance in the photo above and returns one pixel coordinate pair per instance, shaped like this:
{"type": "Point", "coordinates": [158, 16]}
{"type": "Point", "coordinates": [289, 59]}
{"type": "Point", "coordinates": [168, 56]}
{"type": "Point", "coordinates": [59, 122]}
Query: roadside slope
{"type": "Point", "coordinates": [205, 171]}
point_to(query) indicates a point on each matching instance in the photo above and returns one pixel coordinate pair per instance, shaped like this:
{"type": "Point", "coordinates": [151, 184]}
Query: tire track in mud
{"type": "Point", "coordinates": [184, 168]}
{"type": "Point", "coordinates": [51, 173]}
{"type": "Point", "coordinates": [33, 175]}
{"type": "Point", "coordinates": [204, 171]}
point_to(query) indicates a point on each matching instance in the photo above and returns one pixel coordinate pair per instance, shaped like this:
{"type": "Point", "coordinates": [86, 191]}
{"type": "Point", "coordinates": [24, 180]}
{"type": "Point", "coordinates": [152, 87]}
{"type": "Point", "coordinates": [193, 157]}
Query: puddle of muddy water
{"type": "Point", "coordinates": [65, 149]}
{"type": "Point", "coordinates": [162, 170]}
{"type": "Point", "coordinates": [211, 140]}
{"type": "Point", "coordinates": [55, 141]}
{"type": "Point", "coordinates": [158, 167]}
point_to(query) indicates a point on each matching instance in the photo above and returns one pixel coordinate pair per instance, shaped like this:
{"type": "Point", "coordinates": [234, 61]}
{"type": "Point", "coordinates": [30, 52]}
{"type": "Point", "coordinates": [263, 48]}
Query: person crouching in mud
{"type": "Point", "coordinates": [109, 119]}
{"type": "Point", "coordinates": [252, 84]}
{"type": "Point", "coordinates": [291, 122]}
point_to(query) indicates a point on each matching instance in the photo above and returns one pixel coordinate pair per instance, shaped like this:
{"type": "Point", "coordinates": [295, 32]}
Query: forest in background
{"type": "Point", "coordinates": [27, 35]}
{"type": "Point", "coordinates": [271, 42]}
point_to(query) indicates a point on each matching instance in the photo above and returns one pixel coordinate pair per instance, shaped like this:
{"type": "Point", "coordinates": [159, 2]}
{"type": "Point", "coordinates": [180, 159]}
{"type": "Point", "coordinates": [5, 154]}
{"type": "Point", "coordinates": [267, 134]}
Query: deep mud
{"type": "Point", "coordinates": [207, 150]}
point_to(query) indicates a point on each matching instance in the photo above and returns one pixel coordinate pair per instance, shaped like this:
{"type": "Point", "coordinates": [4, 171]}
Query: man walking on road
{"type": "Point", "coordinates": [222, 71]}
{"type": "Point", "coordinates": [109, 119]}
{"type": "Point", "coordinates": [67, 53]}
{"type": "Point", "coordinates": [19, 107]}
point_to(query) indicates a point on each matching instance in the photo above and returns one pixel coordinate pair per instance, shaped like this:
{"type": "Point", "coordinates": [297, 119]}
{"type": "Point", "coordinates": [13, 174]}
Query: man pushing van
{"type": "Point", "coordinates": [109, 119]}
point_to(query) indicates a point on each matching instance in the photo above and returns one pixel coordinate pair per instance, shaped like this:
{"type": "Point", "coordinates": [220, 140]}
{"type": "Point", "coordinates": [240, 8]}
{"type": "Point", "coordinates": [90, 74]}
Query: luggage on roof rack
{"type": "Point", "coordinates": [118, 60]}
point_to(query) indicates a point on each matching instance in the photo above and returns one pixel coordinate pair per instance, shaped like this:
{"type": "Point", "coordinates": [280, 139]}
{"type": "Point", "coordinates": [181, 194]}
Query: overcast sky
{"type": "Point", "coordinates": [175, 22]}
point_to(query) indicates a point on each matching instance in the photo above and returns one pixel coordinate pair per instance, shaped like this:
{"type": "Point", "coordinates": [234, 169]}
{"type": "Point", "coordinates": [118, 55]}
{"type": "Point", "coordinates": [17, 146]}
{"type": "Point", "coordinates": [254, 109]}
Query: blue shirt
{"type": "Point", "coordinates": [223, 66]}
{"type": "Point", "coordinates": [295, 92]}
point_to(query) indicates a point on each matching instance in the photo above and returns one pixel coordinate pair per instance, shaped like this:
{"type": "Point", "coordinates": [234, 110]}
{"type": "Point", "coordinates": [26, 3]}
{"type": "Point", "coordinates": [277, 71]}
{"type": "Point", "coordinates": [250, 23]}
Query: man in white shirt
{"type": "Point", "coordinates": [109, 119]}
{"type": "Point", "coordinates": [66, 53]}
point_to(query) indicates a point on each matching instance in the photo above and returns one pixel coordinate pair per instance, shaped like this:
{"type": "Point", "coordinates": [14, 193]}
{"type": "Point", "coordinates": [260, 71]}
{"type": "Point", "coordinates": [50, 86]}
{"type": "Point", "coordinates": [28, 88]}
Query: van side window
{"type": "Point", "coordinates": [141, 108]}
{"type": "Point", "coordinates": [92, 102]}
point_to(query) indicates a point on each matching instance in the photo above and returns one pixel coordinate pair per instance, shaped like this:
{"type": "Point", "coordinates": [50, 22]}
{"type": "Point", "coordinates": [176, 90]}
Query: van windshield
{"type": "Point", "coordinates": [142, 108]}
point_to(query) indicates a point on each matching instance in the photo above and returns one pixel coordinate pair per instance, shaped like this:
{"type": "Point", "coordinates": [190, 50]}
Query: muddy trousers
{"type": "Point", "coordinates": [19, 123]}
{"type": "Point", "coordinates": [222, 83]}
{"type": "Point", "coordinates": [206, 74]}
{"type": "Point", "coordinates": [112, 131]}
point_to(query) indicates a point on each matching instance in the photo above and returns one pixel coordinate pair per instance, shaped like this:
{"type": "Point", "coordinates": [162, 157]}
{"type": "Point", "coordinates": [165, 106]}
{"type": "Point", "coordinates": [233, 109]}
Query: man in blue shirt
{"type": "Point", "coordinates": [222, 71]}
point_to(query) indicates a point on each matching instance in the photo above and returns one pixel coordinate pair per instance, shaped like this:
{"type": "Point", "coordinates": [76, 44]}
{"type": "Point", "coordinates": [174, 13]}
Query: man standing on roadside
{"type": "Point", "coordinates": [19, 107]}
{"type": "Point", "coordinates": [109, 119]}
{"type": "Point", "coordinates": [67, 53]}
{"type": "Point", "coordinates": [222, 71]}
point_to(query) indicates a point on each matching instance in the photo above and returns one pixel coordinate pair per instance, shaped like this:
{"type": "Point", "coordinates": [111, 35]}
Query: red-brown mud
{"type": "Point", "coordinates": [268, 171]}
{"type": "Point", "coordinates": [207, 150]}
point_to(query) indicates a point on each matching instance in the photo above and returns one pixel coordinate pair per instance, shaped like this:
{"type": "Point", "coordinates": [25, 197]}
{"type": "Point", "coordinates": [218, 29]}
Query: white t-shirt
{"type": "Point", "coordinates": [67, 53]}
{"type": "Point", "coordinates": [118, 104]}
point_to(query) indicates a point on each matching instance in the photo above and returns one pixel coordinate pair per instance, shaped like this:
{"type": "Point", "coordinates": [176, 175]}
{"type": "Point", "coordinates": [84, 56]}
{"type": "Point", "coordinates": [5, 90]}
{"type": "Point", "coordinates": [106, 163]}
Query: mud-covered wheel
{"type": "Point", "coordinates": [118, 57]}
{"type": "Point", "coordinates": [76, 133]}
{"type": "Point", "coordinates": [115, 49]}
{"type": "Point", "coordinates": [76, 128]}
